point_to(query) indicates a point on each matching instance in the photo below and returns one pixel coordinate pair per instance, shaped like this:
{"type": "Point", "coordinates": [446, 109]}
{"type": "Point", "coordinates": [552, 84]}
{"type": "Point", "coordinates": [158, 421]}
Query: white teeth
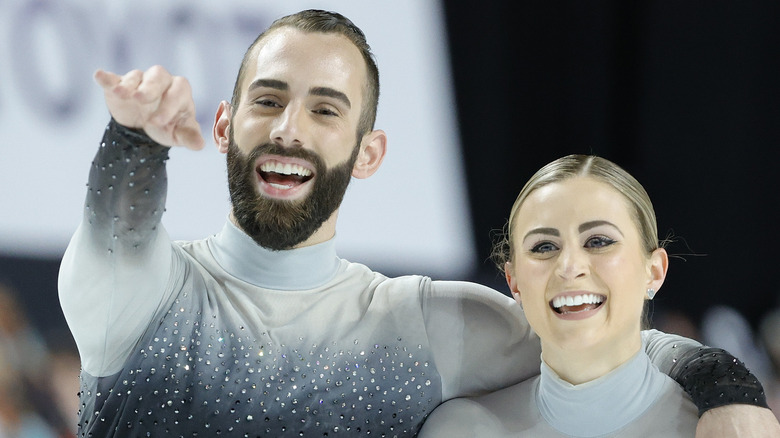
{"type": "Point", "coordinates": [284, 169]}
{"type": "Point", "coordinates": [576, 300]}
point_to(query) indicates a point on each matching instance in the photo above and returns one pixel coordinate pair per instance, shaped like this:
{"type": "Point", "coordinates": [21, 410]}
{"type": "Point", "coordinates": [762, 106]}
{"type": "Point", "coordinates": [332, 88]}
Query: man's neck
{"type": "Point", "coordinates": [294, 269]}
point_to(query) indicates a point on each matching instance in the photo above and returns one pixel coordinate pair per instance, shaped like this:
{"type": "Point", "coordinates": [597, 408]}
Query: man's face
{"type": "Point", "coordinates": [294, 134]}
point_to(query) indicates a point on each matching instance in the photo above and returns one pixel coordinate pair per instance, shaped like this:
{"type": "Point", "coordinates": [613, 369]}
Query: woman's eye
{"type": "Point", "coordinates": [543, 247]}
{"type": "Point", "coordinates": [598, 242]}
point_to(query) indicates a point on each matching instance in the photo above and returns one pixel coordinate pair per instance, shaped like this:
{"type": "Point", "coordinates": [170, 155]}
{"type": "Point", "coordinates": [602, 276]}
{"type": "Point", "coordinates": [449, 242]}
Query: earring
{"type": "Point", "coordinates": [650, 293]}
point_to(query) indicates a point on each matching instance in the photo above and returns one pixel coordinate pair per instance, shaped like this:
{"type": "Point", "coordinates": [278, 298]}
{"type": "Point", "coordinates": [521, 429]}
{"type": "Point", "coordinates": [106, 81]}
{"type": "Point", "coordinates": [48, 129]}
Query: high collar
{"type": "Point", "coordinates": [294, 269]}
{"type": "Point", "coordinates": [603, 405]}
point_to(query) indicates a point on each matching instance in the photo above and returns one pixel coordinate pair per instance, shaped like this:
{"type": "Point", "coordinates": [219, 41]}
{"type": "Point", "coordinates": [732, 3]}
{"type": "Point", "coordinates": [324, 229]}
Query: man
{"type": "Point", "coordinates": [261, 330]}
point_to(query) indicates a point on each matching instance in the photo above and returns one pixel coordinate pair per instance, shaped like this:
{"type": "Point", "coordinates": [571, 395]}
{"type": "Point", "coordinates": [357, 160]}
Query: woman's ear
{"type": "Point", "coordinates": [658, 266]}
{"type": "Point", "coordinates": [221, 130]}
{"type": "Point", "coordinates": [373, 147]}
{"type": "Point", "coordinates": [510, 281]}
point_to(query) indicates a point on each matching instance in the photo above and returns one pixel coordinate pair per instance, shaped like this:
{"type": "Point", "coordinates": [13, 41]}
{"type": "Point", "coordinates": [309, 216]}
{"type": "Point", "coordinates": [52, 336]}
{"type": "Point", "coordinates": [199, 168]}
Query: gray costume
{"type": "Point", "coordinates": [223, 337]}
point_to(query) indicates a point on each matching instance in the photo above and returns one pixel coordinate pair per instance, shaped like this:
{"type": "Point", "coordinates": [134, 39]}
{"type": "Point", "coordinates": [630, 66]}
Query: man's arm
{"type": "Point", "coordinates": [118, 262]}
{"type": "Point", "coordinates": [730, 399]}
{"type": "Point", "coordinates": [480, 339]}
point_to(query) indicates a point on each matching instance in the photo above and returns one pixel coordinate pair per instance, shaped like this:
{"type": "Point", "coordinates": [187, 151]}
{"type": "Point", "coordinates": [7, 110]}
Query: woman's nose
{"type": "Point", "coordinates": [572, 263]}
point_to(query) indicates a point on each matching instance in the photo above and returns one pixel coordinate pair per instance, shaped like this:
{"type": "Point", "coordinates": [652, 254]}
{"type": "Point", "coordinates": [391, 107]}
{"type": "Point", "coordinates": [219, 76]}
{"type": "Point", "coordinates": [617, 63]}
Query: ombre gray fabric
{"type": "Point", "coordinates": [230, 358]}
{"type": "Point", "coordinates": [634, 400]}
{"type": "Point", "coordinates": [221, 337]}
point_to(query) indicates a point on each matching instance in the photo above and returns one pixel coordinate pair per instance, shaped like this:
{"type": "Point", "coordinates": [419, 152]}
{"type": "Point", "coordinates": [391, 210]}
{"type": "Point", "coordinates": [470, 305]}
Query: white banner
{"type": "Point", "coordinates": [411, 216]}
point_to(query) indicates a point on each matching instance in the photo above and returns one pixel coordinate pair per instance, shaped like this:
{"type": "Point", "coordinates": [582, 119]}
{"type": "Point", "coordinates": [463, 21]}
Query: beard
{"type": "Point", "coordinates": [281, 224]}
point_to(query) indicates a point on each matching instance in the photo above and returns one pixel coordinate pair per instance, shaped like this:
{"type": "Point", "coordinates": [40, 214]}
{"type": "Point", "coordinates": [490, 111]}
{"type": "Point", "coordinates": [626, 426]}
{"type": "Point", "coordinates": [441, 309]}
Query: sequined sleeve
{"type": "Point", "coordinates": [116, 267]}
{"type": "Point", "coordinates": [480, 339]}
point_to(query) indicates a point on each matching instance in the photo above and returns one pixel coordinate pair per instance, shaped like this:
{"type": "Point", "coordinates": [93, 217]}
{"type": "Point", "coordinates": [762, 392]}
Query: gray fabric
{"type": "Point", "coordinates": [220, 336]}
{"type": "Point", "coordinates": [218, 361]}
{"type": "Point", "coordinates": [302, 269]}
{"type": "Point", "coordinates": [635, 400]}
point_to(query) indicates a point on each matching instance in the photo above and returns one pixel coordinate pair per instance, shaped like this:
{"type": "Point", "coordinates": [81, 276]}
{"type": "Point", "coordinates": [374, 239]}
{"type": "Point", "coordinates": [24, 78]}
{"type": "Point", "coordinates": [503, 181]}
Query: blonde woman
{"type": "Point", "coordinates": [582, 257]}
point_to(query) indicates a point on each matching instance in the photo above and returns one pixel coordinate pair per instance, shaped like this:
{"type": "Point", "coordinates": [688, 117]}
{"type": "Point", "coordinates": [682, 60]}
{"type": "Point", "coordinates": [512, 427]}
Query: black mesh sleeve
{"type": "Point", "coordinates": [126, 189]}
{"type": "Point", "coordinates": [713, 378]}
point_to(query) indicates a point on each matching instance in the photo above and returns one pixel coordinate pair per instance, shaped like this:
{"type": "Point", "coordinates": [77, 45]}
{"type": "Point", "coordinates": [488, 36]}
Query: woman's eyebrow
{"type": "Point", "coordinates": [592, 224]}
{"type": "Point", "coordinates": [547, 231]}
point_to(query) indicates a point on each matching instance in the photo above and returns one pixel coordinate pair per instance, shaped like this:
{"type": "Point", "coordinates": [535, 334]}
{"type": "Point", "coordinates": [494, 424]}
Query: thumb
{"type": "Point", "coordinates": [188, 134]}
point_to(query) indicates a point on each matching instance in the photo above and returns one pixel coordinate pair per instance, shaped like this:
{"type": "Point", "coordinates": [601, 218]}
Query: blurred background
{"type": "Point", "coordinates": [475, 98]}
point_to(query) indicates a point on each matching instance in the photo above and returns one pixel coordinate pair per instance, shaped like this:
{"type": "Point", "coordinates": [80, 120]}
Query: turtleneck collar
{"type": "Point", "coordinates": [603, 405]}
{"type": "Point", "coordinates": [294, 269]}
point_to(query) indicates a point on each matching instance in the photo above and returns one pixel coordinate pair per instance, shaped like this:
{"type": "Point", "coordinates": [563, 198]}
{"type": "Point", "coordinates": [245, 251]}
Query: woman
{"type": "Point", "coordinates": [582, 257]}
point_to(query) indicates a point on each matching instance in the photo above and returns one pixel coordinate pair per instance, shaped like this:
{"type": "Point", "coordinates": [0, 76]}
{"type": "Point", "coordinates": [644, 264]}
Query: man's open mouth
{"type": "Point", "coordinates": [284, 176]}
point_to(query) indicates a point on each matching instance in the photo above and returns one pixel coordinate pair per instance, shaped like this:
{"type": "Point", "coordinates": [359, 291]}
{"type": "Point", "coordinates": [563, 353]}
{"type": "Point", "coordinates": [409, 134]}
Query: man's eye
{"type": "Point", "coordinates": [325, 112]}
{"type": "Point", "coordinates": [598, 242]}
{"type": "Point", "coordinates": [543, 247]}
{"type": "Point", "coordinates": [267, 102]}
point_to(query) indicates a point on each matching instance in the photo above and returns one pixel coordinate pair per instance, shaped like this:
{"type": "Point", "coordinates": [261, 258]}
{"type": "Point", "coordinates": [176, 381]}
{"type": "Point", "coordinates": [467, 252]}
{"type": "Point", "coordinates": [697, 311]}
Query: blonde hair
{"type": "Point", "coordinates": [600, 169]}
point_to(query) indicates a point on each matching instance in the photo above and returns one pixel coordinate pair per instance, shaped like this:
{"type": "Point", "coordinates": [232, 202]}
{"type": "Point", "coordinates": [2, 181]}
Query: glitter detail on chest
{"type": "Point", "coordinates": [198, 377]}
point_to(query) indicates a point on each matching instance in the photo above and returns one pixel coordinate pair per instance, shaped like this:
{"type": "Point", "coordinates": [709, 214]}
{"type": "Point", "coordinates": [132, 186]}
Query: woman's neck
{"type": "Point", "coordinates": [604, 405]}
{"type": "Point", "coordinates": [580, 365]}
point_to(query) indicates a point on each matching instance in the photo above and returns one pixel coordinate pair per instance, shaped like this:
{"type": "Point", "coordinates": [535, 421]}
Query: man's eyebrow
{"type": "Point", "coordinates": [592, 224]}
{"type": "Point", "coordinates": [548, 231]}
{"type": "Point", "coordinates": [330, 92]}
{"type": "Point", "coordinates": [270, 83]}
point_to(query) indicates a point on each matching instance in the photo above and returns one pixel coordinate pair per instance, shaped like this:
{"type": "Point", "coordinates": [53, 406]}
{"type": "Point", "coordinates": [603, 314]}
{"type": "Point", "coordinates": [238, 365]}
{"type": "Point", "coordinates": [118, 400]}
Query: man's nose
{"type": "Point", "coordinates": [289, 128]}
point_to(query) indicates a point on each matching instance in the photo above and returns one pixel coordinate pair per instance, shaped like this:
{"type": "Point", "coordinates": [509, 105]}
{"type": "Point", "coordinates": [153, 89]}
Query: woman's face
{"type": "Point", "coordinates": [579, 268]}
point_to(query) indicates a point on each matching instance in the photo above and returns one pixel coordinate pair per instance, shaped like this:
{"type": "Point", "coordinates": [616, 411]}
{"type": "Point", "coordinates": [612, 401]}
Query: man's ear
{"type": "Point", "coordinates": [658, 266]}
{"type": "Point", "coordinates": [372, 151]}
{"type": "Point", "coordinates": [221, 130]}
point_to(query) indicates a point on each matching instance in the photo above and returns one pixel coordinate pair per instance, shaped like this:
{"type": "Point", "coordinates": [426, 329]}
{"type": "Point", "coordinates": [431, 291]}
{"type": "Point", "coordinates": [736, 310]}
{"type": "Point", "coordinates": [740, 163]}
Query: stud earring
{"type": "Point", "coordinates": [650, 293]}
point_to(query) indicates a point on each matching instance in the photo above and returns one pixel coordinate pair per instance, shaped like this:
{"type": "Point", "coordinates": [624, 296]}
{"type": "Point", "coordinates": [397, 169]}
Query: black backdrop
{"type": "Point", "coordinates": [684, 95]}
